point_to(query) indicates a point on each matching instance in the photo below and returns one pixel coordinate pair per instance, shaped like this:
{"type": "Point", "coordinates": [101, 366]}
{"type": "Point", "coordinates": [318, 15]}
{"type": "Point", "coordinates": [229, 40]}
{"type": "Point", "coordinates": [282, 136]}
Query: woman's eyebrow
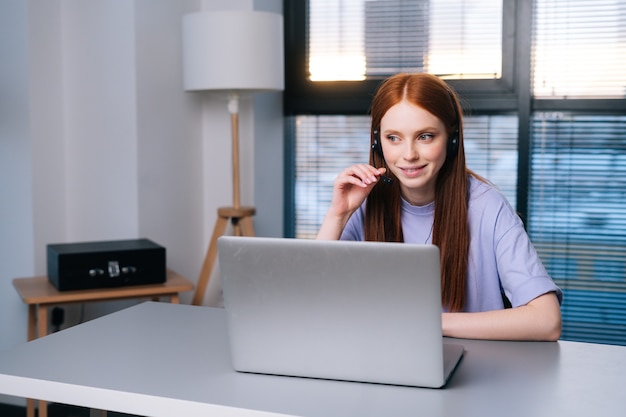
{"type": "Point", "coordinates": [388, 132]}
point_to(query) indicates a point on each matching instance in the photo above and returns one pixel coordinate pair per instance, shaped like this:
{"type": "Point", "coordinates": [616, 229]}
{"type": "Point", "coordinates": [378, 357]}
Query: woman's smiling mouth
{"type": "Point", "coordinates": [412, 171]}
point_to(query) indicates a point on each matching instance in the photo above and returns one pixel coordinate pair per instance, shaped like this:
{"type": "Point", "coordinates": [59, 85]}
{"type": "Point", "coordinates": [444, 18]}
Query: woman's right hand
{"type": "Point", "coordinates": [352, 186]}
{"type": "Point", "coordinates": [350, 189]}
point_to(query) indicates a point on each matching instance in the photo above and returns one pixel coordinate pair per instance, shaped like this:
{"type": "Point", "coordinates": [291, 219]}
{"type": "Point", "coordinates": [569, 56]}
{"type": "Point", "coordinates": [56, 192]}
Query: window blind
{"type": "Point", "coordinates": [577, 199]}
{"type": "Point", "coordinates": [574, 197]}
{"type": "Point", "coordinates": [491, 150]}
{"type": "Point", "coordinates": [578, 219]}
{"type": "Point", "coordinates": [579, 49]}
{"type": "Point", "coordinates": [325, 145]}
{"type": "Point", "coordinates": [359, 39]}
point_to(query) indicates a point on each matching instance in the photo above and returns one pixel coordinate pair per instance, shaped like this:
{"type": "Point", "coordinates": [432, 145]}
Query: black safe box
{"type": "Point", "coordinates": [86, 265]}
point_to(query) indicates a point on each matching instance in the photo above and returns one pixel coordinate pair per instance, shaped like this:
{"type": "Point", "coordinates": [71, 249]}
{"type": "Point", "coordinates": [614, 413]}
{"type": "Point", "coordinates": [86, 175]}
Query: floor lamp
{"type": "Point", "coordinates": [231, 53]}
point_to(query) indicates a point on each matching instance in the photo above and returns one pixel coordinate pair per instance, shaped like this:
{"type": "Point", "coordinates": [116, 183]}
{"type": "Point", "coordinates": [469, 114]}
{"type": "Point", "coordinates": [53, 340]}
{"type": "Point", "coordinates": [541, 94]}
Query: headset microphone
{"type": "Point", "coordinates": [386, 179]}
{"type": "Point", "coordinates": [378, 148]}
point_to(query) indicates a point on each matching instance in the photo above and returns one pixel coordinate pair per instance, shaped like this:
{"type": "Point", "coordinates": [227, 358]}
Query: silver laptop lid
{"type": "Point", "coordinates": [358, 311]}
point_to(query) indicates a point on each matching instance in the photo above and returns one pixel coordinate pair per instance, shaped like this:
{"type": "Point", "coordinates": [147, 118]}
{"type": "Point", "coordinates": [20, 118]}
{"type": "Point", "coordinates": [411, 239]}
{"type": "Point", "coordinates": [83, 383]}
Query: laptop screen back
{"type": "Point", "coordinates": [357, 311]}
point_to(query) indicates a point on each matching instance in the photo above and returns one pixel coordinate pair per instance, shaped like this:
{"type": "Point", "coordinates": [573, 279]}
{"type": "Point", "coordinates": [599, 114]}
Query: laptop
{"type": "Point", "coordinates": [341, 310]}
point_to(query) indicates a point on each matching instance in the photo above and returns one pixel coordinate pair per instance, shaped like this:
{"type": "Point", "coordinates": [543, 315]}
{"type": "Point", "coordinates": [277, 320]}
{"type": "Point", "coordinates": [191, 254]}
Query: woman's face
{"type": "Point", "coordinates": [414, 146]}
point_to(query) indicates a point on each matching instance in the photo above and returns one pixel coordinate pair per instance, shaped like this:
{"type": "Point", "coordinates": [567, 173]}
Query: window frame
{"type": "Point", "coordinates": [513, 93]}
{"type": "Point", "coordinates": [509, 94]}
{"type": "Point", "coordinates": [302, 96]}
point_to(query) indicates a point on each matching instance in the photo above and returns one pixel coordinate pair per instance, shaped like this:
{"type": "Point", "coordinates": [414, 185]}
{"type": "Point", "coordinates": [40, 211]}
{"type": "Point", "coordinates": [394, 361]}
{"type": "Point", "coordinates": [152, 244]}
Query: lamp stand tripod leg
{"type": "Point", "coordinates": [241, 219]}
{"type": "Point", "coordinates": [209, 261]}
{"type": "Point", "coordinates": [247, 226]}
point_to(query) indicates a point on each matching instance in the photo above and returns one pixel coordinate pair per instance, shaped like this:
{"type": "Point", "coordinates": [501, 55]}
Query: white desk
{"type": "Point", "coordinates": [158, 359]}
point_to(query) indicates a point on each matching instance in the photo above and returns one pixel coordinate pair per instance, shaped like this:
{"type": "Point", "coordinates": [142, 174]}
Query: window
{"type": "Point", "coordinates": [579, 49]}
{"type": "Point", "coordinates": [325, 145]}
{"type": "Point", "coordinates": [359, 39]}
{"type": "Point", "coordinates": [577, 199]}
{"type": "Point", "coordinates": [350, 45]}
{"type": "Point", "coordinates": [337, 51]}
{"type": "Point", "coordinates": [545, 120]}
{"type": "Point", "coordinates": [577, 218]}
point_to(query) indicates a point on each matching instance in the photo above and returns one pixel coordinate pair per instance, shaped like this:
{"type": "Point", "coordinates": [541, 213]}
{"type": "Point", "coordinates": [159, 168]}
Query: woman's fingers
{"type": "Point", "coordinates": [361, 175]}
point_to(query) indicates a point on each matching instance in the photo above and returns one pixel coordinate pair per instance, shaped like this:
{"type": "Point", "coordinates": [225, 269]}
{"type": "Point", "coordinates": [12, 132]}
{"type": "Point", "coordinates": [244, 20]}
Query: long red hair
{"type": "Point", "coordinates": [383, 207]}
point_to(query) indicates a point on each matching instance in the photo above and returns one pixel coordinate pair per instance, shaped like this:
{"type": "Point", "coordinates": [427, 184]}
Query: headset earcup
{"type": "Point", "coordinates": [453, 145]}
{"type": "Point", "coordinates": [376, 146]}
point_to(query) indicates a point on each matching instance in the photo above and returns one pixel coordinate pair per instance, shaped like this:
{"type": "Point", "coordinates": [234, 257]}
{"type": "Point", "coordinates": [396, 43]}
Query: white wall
{"type": "Point", "coordinates": [99, 141]}
{"type": "Point", "coordinates": [16, 197]}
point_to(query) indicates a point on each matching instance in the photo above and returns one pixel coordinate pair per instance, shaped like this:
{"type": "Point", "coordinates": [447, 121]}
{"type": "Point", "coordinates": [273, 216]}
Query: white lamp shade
{"type": "Point", "coordinates": [233, 50]}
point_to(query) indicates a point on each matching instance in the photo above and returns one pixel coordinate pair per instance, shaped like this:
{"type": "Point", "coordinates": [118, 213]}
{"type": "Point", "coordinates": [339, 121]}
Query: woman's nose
{"type": "Point", "coordinates": [411, 153]}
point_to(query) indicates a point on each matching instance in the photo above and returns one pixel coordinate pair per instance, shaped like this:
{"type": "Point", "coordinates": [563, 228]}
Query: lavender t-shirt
{"type": "Point", "coordinates": [500, 253]}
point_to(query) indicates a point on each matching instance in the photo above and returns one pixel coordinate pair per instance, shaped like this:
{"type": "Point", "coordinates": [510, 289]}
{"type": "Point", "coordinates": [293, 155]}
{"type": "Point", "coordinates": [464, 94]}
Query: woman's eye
{"type": "Point", "coordinates": [426, 136]}
{"type": "Point", "coordinates": [392, 138]}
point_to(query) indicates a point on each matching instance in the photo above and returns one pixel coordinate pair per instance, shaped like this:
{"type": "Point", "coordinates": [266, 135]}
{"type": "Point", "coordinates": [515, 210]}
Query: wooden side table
{"type": "Point", "coordinates": [40, 295]}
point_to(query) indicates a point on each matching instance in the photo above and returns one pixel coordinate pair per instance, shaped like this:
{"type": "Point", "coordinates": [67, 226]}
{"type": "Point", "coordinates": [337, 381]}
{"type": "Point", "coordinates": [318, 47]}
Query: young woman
{"type": "Point", "coordinates": [417, 189]}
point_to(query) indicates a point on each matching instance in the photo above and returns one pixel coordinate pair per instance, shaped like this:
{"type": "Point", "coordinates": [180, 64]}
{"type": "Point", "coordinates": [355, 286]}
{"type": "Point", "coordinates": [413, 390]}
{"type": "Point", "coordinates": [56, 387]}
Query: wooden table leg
{"type": "Point", "coordinates": [42, 409]}
{"type": "Point", "coordinates": [30, 407]}
{"type": "Point", "coordinates": [42, 321]}
{"type": "Point", "coordinates": [32, 335]}
{"type": "Point", "coordinates": [42, 330]}
{"type": "Point", "coordinates": [32, 322]}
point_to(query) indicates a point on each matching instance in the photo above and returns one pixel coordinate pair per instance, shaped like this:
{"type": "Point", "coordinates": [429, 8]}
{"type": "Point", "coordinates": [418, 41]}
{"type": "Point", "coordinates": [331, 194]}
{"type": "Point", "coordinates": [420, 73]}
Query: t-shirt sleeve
{"type": "Point", "coordinates": [354, 229]}
{"type": "Point", "coordinates": [522, 274]}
